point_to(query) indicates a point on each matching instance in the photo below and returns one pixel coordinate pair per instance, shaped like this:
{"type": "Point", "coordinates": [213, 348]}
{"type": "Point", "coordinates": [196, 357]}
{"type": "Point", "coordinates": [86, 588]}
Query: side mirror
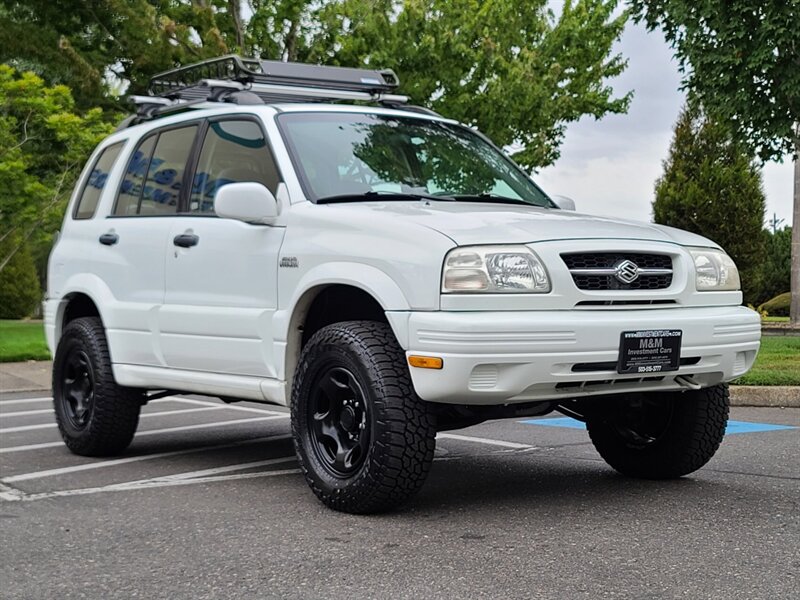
{"type": "Point", "coordinates": [248, 201]}
{"type": "Point", "coordinates": [563, 202]}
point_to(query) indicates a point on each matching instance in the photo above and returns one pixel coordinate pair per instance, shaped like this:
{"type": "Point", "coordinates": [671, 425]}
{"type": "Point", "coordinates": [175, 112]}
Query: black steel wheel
{"type": "Point", "coordinates": [77, 392]}
{"type": "Point", "coordinates": [660, 435]}
{"type": "Point", "coordinates": [363, 438]}
{"type": "Point", "coordinates": [96, 417]}
{"type": "Point", "coordinates": [339, 418]}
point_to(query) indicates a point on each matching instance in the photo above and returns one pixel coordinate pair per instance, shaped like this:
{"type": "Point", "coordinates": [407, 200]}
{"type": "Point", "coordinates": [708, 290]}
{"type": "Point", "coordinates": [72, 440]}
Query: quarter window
{"type": "Point", "coordinates": [96, 182]}
{"type": "Point", "coordinates": [233, 151]}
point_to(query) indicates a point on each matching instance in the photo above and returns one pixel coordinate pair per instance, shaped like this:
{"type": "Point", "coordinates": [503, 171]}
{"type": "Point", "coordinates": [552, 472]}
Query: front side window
{"type": "Point", "coordinates": [154, 175]}
{"type": "Point", "coordinates": [233, 151]}
{"type": "Point", "coordinates": [96, 182]}
{"type": "Point", "coordinates": [367, 154]}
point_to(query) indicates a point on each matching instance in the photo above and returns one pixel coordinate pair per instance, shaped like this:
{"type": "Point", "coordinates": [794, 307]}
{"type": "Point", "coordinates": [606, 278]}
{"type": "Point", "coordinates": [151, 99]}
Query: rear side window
{"type": "Point", "coordinates": [233, 151]}
{"type": "Point", "coordinates": [96, 182]}
{"type": "Point", "coordinates": [155, 172]}
{"type": "Point", "coordinates": [132, 183]}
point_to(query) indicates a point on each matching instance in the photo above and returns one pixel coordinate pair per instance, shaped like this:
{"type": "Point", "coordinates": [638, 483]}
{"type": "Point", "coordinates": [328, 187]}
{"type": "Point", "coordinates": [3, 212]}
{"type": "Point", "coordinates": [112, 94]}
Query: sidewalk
{"type": "Point", "coordinates": [34, 376]}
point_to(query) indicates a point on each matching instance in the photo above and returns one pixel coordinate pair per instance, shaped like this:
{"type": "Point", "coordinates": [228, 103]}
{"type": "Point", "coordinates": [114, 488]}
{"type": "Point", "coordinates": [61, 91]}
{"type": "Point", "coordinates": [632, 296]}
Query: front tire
{"type": "Point", "coordinates": [661, 435]}
{"type": "Point", "coordinates": [363, 438]}
{"type": "Point", "coordinates": [96, 417]}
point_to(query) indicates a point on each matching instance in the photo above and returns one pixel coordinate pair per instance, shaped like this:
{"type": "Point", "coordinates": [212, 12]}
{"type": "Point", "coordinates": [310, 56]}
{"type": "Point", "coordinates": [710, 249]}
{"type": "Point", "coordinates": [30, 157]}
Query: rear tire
{"type": "Point", "coordinates": [96, 417]}
{"type": "Point", "coordinates": [363, 438]}
{"type": "Point", "coordinates": [661, 435]}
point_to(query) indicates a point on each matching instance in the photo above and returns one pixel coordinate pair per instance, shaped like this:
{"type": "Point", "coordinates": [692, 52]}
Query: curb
{"type": "Point", "coordinates": [772, 396]}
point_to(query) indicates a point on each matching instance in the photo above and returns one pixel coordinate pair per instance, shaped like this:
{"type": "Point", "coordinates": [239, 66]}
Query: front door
{"type": "Point", "coordinates": [221, 274]}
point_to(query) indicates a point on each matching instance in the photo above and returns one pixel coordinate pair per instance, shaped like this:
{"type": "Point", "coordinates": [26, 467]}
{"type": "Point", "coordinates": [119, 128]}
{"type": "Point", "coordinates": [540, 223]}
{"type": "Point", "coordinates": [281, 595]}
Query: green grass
{"type": "Point", "coordinates": [778, 362]}
{"type": "Point", "coordinates": [22, 340]}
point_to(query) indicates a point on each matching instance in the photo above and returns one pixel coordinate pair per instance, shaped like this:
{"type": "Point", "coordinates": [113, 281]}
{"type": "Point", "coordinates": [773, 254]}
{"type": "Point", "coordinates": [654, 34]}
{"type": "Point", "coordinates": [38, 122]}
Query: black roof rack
{"type": "Point", "coordinates": [266, 72]}
{"type": "Point", "coordinates": [240, 80]}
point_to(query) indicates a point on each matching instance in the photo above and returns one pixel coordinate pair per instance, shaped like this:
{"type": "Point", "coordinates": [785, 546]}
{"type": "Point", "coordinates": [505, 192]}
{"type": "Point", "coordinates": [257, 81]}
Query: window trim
{"type": "Point", "coordinates": [147, 135]}
{"type": "Point", "coordinates": [194, 158]}
{"type": "Point", "coordinates": [79, 197]}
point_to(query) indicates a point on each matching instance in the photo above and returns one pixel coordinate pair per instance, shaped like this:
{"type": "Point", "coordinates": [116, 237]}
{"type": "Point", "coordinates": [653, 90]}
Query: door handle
{"type": "Point", "coordinates": [186, 240]}
{"type": "Point", "coordinates": [109, 239]}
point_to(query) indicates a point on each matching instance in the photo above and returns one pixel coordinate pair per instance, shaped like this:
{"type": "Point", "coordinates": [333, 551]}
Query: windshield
{"type": "Point", "coordinates": [355, 155]}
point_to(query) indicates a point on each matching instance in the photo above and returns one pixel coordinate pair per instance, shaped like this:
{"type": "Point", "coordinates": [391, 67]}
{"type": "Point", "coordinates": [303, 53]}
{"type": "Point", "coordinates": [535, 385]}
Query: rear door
{"type": "Point", "coordinates": [131, 243]}
{"type": "Point", "coordinates": [221, 274]}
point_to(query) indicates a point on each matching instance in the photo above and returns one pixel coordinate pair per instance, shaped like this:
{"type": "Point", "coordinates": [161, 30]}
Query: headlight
{"type": "Point", "coordinates": [494, 269]}
{"type": "Point", "coordinates": [714, 270]}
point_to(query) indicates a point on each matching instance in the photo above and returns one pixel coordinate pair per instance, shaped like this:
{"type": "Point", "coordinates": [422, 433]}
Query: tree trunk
{"type": "Point", "coordinates": [795, 281]}
{"type": "Point", "coordinates": [234, 9]}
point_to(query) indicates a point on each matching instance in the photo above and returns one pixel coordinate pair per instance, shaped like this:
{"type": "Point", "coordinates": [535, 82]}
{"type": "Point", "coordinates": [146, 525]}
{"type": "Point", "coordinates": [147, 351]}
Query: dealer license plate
{"type": "Point", "coordinates": [651, 351]}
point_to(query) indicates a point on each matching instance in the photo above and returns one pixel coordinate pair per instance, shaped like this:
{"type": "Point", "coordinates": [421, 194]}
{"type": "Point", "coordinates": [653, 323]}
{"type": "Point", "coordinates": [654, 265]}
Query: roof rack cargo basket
{"type": "Point", "coordinates": [274, 73]}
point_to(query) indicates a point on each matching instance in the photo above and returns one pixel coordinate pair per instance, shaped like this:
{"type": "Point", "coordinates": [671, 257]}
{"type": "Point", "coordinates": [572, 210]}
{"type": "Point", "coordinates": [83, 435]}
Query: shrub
{"type": "Point", "coordinates": [19, 286]}
{"type": "Point", "coordinates": [778, 306]}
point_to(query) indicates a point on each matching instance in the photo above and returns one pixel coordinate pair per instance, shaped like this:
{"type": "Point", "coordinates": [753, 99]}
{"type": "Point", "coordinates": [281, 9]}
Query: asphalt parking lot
{"type": "Point", "coordinates": [208, 503]}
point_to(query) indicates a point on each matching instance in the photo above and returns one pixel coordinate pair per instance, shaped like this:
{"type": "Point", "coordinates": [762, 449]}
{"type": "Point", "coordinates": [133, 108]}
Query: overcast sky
{"type": "Point", "coordinates": [609, 166]}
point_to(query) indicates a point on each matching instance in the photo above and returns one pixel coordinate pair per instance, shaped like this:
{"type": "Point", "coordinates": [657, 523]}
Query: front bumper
{"type": "Point", "coordinates": [507, 357]}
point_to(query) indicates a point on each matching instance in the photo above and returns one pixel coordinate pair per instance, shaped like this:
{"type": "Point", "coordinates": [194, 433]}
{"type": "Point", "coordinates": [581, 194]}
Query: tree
{"type": "Point", "coordinates": [741, 62]}
{"type": "Point", "coordinates": [510, 68]}
{"type": "Point", "coordinates": [81, 43]}
{"type": "Point", "coordinates": [44, 144]}
{"type": "Point", "coordinates": [712, 187]}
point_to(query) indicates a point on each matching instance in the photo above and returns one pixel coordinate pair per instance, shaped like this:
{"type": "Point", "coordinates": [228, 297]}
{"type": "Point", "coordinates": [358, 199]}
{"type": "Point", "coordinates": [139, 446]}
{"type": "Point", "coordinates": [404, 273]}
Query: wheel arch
{"type": "Point", "coordinates": [329, 301]}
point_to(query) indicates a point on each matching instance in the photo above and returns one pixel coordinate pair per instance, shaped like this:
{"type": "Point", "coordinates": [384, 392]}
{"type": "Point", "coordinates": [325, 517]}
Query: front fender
{"type": "Point", "coordinates": [365, 277]}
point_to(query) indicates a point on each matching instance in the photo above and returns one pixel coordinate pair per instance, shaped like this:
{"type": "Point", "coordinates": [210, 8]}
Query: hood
{"type": "Point", "coordinates": [471, 223]}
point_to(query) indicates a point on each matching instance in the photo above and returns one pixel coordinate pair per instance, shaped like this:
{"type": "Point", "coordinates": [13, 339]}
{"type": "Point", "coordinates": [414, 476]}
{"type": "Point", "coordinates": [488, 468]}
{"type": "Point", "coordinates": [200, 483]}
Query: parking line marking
{"type": "Point", "coordinates": [480, 440]}
{"type": "Point", "coordinates": [228, 406]}
{"type": "Point", "coordinates": [25, 413]}
{"type": "Point", "coordinates": [150, 432]}
{"type": "Point", "coordinates": [143, 415]}
{"type": "Point", "coordinates": [218, 470]}
{"type": "Point", "coordinates": [129, 459]}
{"type": "Point", "coordinates": [23, 400]}
{"type": "Point", "coordinates": [17, 495]}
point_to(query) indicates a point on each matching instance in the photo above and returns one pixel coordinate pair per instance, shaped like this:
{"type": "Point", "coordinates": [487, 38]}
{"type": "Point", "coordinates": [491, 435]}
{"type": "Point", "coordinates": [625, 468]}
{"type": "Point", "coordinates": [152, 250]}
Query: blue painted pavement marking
{"type": "Point", "coordinates": [733, 426]}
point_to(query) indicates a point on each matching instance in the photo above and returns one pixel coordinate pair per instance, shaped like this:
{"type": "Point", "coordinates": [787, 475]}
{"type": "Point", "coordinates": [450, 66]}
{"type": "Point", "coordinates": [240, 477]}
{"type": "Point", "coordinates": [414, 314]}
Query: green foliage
{"type": "Point", "coordinates": [740, 62]}
{"type": "Point", "coordinates": [19, 285]}
{"type": "Point", "coordinates": [510, 68]}
{"type": "Point", "coordinates": [776, 264]}
{"type": "Point", "coordinates": [778, 306]}
{"type": "Point", "coordinates": [711, 187]}
{"type": "Point", "coordinates": [44, 144]}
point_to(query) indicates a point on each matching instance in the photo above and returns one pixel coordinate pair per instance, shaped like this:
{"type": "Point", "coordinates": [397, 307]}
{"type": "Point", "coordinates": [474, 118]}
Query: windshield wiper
{"type": "Point", "coordinates": [373, 195]}
{"type": "Point", "coordinates": [493, 198]}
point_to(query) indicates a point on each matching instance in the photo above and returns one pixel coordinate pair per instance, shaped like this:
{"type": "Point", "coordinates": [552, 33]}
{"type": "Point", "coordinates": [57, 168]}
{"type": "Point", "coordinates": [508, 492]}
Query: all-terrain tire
{"type": "Point", "coordinates": [110, 412]}
{"type": "Point", "coordinates": [692, 432]}
{"type": "Point", "coordinates": [401, 428]}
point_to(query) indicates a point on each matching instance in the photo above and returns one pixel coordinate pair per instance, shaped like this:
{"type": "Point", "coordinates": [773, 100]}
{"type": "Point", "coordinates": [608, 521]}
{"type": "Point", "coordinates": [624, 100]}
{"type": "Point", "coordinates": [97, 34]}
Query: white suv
{"type": "Point", "coordinates": [383, 271]}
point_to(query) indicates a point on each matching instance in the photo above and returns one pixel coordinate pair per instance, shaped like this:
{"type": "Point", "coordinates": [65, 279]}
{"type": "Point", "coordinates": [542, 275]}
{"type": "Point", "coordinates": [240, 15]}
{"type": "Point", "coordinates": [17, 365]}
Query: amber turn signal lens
{"type": "Point", "coordinates": [425, 362]}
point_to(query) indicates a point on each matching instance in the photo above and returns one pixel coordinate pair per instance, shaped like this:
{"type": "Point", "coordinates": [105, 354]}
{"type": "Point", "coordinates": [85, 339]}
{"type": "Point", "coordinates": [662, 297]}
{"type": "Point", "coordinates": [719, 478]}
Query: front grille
{"type": "Point", "coordinates": [599, 270]}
